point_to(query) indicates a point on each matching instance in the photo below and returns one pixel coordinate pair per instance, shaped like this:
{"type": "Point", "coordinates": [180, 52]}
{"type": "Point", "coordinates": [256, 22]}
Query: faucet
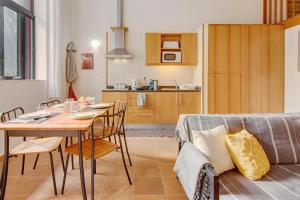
{"type": "Point", "coordinates": [176, 84]}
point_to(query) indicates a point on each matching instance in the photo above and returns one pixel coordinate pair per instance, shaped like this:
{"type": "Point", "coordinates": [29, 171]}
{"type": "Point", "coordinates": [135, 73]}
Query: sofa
{"type": "Point", "coordinates": [279, 135]}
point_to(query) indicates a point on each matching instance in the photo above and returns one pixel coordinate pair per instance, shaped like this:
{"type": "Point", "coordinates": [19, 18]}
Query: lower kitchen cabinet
{"type": "Point", "coordinates": [167, 107]}
{"type": "Point", "coordinates": [189, 103]}
{"type": "Point", "coordinates": [163, 107]}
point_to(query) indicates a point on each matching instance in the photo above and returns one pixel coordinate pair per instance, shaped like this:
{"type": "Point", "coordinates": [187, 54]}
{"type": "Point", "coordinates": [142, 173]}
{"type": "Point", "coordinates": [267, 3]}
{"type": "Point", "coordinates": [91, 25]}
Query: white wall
{"type": "Point", "coordinates": [90, 19]}
{"type": "Point", "coordinates": [292, 75]}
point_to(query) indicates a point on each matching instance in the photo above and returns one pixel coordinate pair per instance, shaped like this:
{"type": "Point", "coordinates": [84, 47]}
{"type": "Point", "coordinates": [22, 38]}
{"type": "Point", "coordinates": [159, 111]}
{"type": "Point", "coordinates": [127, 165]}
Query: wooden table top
{"type": "Point", "coordinates": [61, 122]}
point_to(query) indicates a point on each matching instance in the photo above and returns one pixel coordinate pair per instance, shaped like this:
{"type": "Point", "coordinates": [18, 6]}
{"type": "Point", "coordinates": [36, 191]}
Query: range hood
{"type": "Point", "coordinates": [119, 51]}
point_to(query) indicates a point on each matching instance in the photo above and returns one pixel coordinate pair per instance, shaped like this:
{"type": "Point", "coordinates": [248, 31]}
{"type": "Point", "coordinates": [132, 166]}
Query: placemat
{"type": "Point", "coordinates": [32, 121]}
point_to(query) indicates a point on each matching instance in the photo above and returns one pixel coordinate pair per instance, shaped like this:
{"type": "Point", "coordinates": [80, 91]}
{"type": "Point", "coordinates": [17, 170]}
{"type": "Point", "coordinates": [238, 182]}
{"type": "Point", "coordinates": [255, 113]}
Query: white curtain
{"type": "Point", "coordinates": [54, 51]}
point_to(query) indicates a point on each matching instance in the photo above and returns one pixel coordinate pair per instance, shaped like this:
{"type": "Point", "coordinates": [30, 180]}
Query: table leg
{"type": "Point", "coordinates": [83, 189]}
{"type": "Point", "coordinates": [5, 165]}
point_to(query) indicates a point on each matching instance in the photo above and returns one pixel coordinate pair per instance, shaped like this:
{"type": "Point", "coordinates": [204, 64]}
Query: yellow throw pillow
{"type": "Point", "coordinates": [248, 155]}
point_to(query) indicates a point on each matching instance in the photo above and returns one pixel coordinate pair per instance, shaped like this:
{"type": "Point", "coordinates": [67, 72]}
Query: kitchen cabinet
{"type": "Point", "coordinates": [141, 114]}
{"type": "Point", "coordinates": [188, 47]}
{"type": "Point", "coordinates": [189, 103]}
{"type": "Point", "coordinates": [153, 46]}
{"type": "Point", "coordinates": [162, 107]}
{"type": "Point", "coordinates": [167, 107]}
{"type": "Point", "coordinates": [110, 97]}
{"type": "Point", "coordinates": [245, 68]}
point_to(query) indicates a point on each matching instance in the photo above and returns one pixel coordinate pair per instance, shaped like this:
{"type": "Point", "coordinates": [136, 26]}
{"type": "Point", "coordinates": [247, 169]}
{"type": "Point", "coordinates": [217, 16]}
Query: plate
{"type": "Point", "coordinates": [58, 106]}
{"type": "Point", "coordinates": [83, 115]}
{"type": "Point", "coordinates": [100, 106]}
{"type": "Point", "coordinates": [33, 115]}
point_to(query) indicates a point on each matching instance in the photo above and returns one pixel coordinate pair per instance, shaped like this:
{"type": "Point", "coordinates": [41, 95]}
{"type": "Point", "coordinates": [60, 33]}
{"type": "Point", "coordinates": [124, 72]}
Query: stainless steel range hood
{"type": "Point", "coordinates": [119, 51]}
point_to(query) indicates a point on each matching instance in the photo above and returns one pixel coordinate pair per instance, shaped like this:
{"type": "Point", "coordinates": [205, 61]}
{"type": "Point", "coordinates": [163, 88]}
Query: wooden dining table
{"type": "Point", "coordinates": [62, 125]}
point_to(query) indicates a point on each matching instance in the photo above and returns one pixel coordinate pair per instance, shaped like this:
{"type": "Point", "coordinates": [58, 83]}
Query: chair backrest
{"type": "Point", "coordinates": [50, 103]}
{"type": "Point", "coordinates": [12, 114]}
{"type": "Point", "coordinates": [119, 106]}
{"type": "Point", "coordinates": [102, 126]}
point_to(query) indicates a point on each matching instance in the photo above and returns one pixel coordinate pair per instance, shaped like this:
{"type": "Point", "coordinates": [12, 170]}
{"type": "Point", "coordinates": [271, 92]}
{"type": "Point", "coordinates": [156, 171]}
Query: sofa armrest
{"type": "Point", "coordinates": [211, 185]}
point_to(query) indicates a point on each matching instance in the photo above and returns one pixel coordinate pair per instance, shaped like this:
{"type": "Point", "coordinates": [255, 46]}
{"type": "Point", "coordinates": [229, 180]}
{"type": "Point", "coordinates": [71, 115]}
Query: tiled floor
{"type": "Point", "coordinates": [152, 175]}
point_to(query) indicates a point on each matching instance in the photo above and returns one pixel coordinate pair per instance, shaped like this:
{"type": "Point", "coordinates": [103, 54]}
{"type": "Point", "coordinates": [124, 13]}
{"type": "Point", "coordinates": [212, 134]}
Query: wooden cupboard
{"type": "Point", "coordinates": [189, 103]}
{"type": "Point", "coordinates": [245, 68]}
{"type": "Point", "coordinates": [161, 107]}
{"type": "Point", "coordinates": [188, 46]}
{"type": "Point", "coordinates": [167, 107]}
{"type": "Point", "coordinates": [153, 48]}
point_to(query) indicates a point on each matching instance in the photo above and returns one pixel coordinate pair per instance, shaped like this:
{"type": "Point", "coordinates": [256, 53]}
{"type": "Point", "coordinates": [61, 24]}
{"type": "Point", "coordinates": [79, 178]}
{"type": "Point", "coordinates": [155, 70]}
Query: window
{"type": "Point", "coordinates": [17, 39]}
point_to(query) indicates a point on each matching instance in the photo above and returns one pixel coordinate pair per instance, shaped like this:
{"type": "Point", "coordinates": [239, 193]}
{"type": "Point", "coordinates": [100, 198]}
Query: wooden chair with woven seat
{"type": "Point", "coordinates": [96, 146]}
{"type": "Point", "coordinates": [110, 129]}
{"type": "Point", "coordinates": [33, 146]}
{"type": "Point", "coordinates": [50, 104]}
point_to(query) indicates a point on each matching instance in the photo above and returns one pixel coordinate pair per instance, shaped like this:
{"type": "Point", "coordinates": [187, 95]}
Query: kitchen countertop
{"type": "Point", "coordinates": [160, 90]}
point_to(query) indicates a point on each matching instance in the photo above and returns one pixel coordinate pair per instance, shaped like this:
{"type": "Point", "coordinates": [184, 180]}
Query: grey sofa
{"type": "Point", "coordinates": [279, 134]}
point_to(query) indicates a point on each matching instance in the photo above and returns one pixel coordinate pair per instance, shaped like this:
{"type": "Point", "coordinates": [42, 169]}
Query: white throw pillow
{"type": "Point", "coordinates": [212, 143]}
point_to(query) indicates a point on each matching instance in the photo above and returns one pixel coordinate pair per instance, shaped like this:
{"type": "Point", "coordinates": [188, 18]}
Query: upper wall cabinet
{"type": "Point", "coordinates": [171, 48]}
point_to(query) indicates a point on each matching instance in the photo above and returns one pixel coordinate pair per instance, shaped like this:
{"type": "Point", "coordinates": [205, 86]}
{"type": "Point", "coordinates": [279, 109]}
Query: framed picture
{"type": "Point", "coordinates": [87, 61]}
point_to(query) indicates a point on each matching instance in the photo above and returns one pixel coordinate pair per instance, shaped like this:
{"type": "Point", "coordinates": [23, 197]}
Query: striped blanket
{"type": "Point", "coordinates": [281, 183]}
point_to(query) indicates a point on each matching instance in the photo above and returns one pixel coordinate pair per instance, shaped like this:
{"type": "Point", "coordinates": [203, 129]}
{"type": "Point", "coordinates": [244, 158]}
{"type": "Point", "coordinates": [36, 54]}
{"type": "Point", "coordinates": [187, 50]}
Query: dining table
{"type": "Point", "coordinates": [61, 125]}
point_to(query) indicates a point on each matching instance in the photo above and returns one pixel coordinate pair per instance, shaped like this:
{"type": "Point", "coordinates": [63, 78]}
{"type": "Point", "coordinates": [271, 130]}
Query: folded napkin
{"type": "Point", "coordinates": [141, 99]}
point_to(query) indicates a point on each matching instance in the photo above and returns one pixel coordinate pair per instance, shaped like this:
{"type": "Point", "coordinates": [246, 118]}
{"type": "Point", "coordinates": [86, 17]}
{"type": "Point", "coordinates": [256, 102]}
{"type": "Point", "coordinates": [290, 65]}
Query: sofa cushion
{"type": "Point", "coordinates": [248, 154]}
{"type": "Point", "coordinates": [282, 182]}
{"type": "Point", "coordinates": [279, 135]}
{"type": "Point", "coordinates": [212, 143]}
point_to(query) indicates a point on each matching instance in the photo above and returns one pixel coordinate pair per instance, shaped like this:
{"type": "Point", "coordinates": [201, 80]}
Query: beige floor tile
{"type": "Point", "coordinates": [116, 187]}
{"type": "Point", "coordinates": [148, 185]}
{"type": "Point", "coordinates": [176, 197]}
{"type": "Point", "coordinates": [145, 169]}
{"type": "Point", "coordinates": [149, 197]}
{"type": "Point", "coordinates": [172, 186]}
{"type": "Point", "coordinates": [166, 168]}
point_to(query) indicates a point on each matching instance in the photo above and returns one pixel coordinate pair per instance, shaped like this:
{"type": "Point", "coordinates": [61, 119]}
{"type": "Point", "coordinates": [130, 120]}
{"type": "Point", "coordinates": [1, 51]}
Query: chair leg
{"type": "Point", "coordinates": [72, 157]}
{"type": "Point", "coordinates": [61, 157]}
{"type": "Point", "coordinates": [124, 162]}
{"type": "Point", "coordinates": [23, 165]}
{"type": "Point", "coordinates": [125, 141]}
{"type": "Point", "coordinates": [95, 167]}
{"type": "Point", "coordinates": [36, 160]}
{"type": "Point", "coordinates": [53, 173]}
{"type": "Point", "coordinates": [65, 174]}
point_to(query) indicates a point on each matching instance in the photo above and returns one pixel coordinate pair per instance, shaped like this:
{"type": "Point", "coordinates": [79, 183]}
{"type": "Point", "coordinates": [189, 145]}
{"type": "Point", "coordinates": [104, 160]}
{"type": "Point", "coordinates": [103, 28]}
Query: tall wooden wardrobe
{"type": "Point", "coordinates": [245, 68]}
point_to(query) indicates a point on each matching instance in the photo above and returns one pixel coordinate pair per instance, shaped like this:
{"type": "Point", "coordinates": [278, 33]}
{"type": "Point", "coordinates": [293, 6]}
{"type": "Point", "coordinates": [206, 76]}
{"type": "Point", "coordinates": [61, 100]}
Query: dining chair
{"type": "Point", "coordinates": [110, 132]}
{"type": "Point", "coordinates": [50, 104]}
{"type": "Point", "coordinates": [118, 106]}
{"type": "Point", "coordinates": [33, 146]}
{"type": "Point", "coordinates": [97, 146]}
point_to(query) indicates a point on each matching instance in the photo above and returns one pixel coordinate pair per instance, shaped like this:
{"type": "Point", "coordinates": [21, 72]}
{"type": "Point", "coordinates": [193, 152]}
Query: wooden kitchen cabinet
{"type": "Point", "coordinates": [245, 68]}
{"type": "Point", "coordinates": [189, 103]}
{"type": "Point", "coordinates": [153, 47]}
{"type": "Point", "coordinates": [110, 97]}
{"type": "Point", "coordinates": [189, 48]}
{"type": "Point", "coordinates": [162, 107]}
{"type": "Point", "coordinates": [167, 107]}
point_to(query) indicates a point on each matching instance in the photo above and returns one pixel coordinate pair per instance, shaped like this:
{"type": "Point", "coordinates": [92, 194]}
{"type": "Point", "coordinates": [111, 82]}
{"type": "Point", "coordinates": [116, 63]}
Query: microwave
{"type": "Point", "coordinates": [171, 57]}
